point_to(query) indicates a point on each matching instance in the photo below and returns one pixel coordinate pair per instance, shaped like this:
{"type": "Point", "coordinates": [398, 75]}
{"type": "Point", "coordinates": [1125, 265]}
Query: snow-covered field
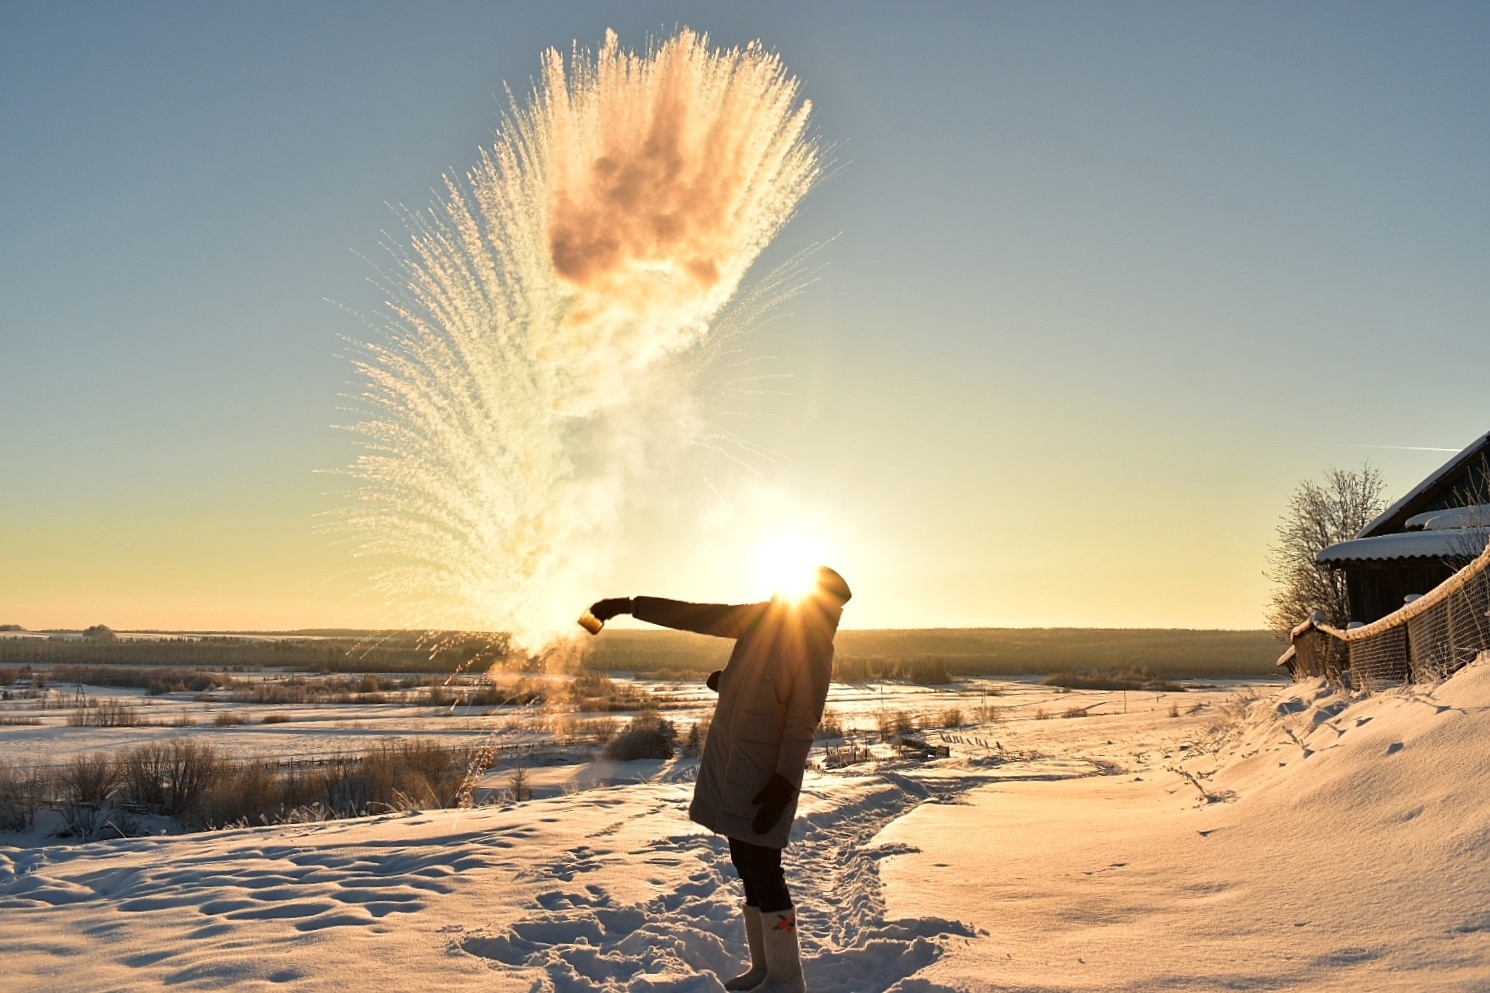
{"type": "Point", "coordinates": [1294, 841]}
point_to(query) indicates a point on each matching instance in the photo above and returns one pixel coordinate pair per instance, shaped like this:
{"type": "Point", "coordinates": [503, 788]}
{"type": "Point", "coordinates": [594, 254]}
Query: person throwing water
{"type": "Point", "coordinates": [771, 697]}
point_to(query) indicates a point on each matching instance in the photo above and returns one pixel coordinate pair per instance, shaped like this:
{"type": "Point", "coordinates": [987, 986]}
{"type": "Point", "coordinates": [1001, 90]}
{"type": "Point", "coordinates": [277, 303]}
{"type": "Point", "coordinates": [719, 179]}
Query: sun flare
{"type": "Point", "coordinates": [787, 565]}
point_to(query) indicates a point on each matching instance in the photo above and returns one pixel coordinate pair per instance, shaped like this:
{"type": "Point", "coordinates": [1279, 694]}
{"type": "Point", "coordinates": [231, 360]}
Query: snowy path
{"type": "Point", "coordinates": [586, 941]}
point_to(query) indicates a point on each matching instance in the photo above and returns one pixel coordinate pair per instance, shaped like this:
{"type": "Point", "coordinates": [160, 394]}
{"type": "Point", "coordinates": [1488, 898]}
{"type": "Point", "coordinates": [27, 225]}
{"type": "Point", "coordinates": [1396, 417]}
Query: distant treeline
{"type": "Point", "coordinates": [925, 655]}
{"type": "Point", "coordinates": [921, 655]}
{"type": "Point", "coordinates": [399, 651]}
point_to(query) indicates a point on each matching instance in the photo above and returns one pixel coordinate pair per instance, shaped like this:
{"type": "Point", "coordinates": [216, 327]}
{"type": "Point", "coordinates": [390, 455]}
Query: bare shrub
{"type": "Point", "coordinates": [85, 784]}
{"type": "Point", "coordinates": [245, 793]}
{"type": "Point", "coordinates": [595, 692]}
{"type": "Point", "coordinates": [276, 719]}
{"type": "Point", "coordinates": [142, 774]}
{"type": "Point", "coordinates": [1075, 712]}
{"type": "Point", "coordinates": [989, 713]}
{"type": "Point", "coordinates": [601, 729]}
{"type": "Point", "coordinates": [1041, 714]}
{"type": "Point", "coordinates": [518, 787]}
{"type": "Point", "coordinates": [893, 725]}
{"type": "Point", "coordinates": [418, 774]}
{"type": "Point", "coordinates": [105, 714]}
{"type": "Point", "coordinates": [950, 718]}
{"type": "Point", "coordinates": [191, 769]}
{"type": "Point", "coordinates": [1174, 710]}
{"type": "Point", "coordinates": [522, 691]}
{"type": "Point", "coordinates": [1233, 709]}
{"type": "Point", "coordinates": [87, 779]}
{"type": "Point", "coordinates": [303, 784]}
{"type": "Point", "coordinates": [371, 682]}
{"type": "Point", "coordinates": [228, 719]}
{"type": "Point", "coordinates": [22, 789]}
{"type": "Point", "coordinates": [174, 777]}
{"type": "Point", "coordinates": [648, 736]}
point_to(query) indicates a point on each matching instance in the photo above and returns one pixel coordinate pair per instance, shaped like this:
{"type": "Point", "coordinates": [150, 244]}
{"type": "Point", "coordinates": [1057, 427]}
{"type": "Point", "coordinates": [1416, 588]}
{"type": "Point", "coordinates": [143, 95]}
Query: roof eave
{"type": "Point", "coordinates": [1384, 521]}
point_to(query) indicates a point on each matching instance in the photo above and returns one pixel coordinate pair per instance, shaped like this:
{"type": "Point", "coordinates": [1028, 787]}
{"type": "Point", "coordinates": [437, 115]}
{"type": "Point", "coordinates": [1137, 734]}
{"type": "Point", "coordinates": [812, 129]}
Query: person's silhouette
{"type": "Point", "coordinates": [771, 697]}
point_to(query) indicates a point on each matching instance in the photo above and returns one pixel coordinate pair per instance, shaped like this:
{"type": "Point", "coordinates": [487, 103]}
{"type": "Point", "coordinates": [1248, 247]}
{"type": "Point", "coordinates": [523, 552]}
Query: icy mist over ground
{"type": "Point", "coordinates": [541, 324]}
{"type": "Point", "coordinates": [1299, 840]}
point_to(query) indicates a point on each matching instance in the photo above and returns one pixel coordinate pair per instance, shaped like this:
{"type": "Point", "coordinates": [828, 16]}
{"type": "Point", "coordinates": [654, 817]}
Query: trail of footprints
{"type": "Point", "coordinates": [584, 941]}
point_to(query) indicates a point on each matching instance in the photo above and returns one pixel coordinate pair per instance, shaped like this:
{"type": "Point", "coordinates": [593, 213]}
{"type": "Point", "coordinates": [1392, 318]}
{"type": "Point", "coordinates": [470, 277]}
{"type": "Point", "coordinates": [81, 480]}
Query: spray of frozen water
{"type": "Point", "coordinates": [544, 316]}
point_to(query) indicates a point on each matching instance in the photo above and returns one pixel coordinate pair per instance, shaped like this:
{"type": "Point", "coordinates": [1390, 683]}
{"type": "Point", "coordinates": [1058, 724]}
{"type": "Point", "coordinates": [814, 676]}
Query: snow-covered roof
{"type": "Point", "coordinates": [1437, 545]}
{"type": "Point", "coordinates": [1477, 516]}
{"type": "Point", "coordinates": [1450, 467]}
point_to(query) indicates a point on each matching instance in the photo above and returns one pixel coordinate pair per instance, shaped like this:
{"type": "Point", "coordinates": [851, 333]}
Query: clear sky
{"type": "Point", "coordinates": [1102, 283]}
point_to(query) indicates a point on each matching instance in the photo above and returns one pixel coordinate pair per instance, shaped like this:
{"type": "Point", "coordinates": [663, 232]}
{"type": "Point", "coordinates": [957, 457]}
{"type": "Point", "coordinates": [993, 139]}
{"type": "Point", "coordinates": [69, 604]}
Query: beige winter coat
{"type": "Point", "coordinates": [771, 698]}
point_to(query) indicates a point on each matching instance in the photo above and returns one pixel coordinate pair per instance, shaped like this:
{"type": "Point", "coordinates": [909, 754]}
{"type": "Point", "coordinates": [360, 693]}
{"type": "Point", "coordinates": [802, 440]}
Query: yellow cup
{"type": "Point", "coordinates": [590, 622]}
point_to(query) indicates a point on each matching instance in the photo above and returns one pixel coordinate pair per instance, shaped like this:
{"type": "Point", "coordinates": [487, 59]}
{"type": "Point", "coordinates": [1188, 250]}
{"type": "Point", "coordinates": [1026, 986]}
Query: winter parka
{"type": "Point", "coordinates": [771, 697]}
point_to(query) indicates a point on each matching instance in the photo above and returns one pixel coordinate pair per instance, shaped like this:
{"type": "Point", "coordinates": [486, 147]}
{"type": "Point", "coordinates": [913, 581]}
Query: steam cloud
{"type": "Point", "coordinates": [541, 314]}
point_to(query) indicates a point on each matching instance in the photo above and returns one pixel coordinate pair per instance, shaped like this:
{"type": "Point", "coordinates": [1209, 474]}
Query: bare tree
{"type": "Point", "coordinates": [1319, 514]}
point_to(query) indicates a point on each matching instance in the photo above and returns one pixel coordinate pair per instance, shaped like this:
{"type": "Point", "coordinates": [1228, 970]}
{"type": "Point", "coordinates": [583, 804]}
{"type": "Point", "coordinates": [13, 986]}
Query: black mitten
{"type": "Point", "coordinates": [604, 610]}
{"type": "Point", "coordinates": [773, 800]}
{"type": "Point", "coordinates": [713, 681]}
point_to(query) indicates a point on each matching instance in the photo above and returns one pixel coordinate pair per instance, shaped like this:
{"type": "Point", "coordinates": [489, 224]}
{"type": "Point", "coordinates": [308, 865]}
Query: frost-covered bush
{"type": "Point", "coordinates": [693, 742]}
{"type": "Point", "coordinates": [648, 736]}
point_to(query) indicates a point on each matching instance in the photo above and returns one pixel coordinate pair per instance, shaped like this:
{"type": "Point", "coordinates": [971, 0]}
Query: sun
{"type": "Point", "coordinates": [787, 565]}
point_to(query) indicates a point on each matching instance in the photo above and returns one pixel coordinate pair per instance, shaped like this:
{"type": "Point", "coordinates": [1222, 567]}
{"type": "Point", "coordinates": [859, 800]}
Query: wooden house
{"type": "Point", "coordinates": [1419, 541]}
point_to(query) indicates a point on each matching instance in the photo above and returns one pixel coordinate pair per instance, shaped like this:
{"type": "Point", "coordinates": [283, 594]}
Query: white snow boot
{"type": "Point", "coordinates": [750, 980]}
{"type": "Point", "coordinates": [783, 956]}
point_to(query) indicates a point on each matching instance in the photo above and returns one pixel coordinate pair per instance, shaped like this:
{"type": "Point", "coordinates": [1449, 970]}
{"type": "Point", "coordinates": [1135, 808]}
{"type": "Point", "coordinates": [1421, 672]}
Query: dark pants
{"type": "Point", "coordinates": [760, 870]}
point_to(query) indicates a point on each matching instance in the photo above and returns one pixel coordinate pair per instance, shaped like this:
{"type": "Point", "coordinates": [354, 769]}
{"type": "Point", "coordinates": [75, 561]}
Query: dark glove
{"type": "Point", "coordinates": [713, 681]}
{"type": "Point", "coordinates": [773, 800]}
{"type": "Point", "coordinates": [604, 610]}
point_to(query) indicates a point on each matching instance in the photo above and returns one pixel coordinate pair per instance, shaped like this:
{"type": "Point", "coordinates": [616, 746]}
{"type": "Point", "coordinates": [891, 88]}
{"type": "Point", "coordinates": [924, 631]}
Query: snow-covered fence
{"type": "Point", "coordinates": [1427, 639]}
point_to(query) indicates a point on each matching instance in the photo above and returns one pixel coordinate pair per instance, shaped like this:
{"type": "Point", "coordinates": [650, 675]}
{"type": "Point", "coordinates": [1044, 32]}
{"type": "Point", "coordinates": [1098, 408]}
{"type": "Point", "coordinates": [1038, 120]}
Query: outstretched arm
{"type": "Point", "coordinates": [718, 619]}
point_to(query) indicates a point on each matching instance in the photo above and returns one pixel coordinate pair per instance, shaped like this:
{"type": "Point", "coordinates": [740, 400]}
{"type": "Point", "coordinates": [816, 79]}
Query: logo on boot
{"type": "Point", "coordinates": [785, 924]}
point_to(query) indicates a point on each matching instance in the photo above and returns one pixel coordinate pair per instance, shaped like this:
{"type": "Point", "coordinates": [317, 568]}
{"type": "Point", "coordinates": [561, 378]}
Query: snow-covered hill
{"type": "Point", "coordinates": [1301, 841]}
{"type": "Point", "coordinates": [1322, 844]}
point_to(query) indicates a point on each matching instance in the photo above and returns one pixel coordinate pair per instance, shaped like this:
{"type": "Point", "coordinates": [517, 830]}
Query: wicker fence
{"type": "Point", "coordinates": [1426, 640]}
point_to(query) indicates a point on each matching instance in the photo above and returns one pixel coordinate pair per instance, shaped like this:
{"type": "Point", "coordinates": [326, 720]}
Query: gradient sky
{"type": "Point", "coordinates": [1103, 283]}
